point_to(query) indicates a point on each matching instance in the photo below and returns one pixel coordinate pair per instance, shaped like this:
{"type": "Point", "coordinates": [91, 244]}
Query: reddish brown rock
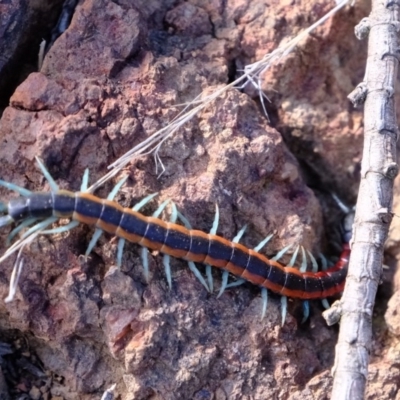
{"type": "Point", "coordinates": [112, 79]}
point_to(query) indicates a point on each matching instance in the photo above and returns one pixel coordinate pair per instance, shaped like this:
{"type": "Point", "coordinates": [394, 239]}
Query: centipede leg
{"type": "Point", "coordinates": [303, 267]}
{"type": "Point", "coordinates": [61, 229]}
{"type": "Point", "coordinates": [145, 261]}
{"type": "Point", "coordinates": [85, 180]}
{"type": "Point", "coordinates": [264, 291]}
{"type": "Point", "coordinates": [324, 262]}
{"type": "Point", "coordinates": [225, 274]}
{"type": "Point", "coordinates": [281, 253]}
{"type": "Point", "coordinates": [306, 311]}
{"type": "Point", "coordinates": [238, 282]}
{"type": "Point", "coordinates": [144, 252]}
{"type": "Point", "coordinates": [224, 283]}
{"type": "Point", "coordinates": [197, 274]}
{"type": "Point", "coordinates": [38, 227]}
{"type": "Point", "coordinates": [213, 231]}
{"type": "Point", "coordinates": [144, 201]}
{"type": "Point", "coordinates": [167, 269]}
{"type": "Point", "coordinates": [192, 266]}
{"type": "Point", "coordinates": [264, 296]}
{"type": "Point", "coordinates": [325, 303]}
{"type": "Point", "coordinates": [184, 221]}
{"type": "Point", "coordinates": [160, 208]}
{"type": "Point", "coordinates": [98, 232]}
{"type": "Point", "coordinates": [10, 186]}
{"type": "Point", "coordinates": [263, 243]}
{"type": "Point", "coordinates": [313, 262]}
{"type": "Point", "coordinates": [53, 185]}
{"type": "Point", "coordinates": [96, 236]}
{"type": "Point", "coordinates": [283, 308]}
{"type": "Point", "coordinates": [21, 226]}
{"type": "Point", "coordinates": [294, 256]}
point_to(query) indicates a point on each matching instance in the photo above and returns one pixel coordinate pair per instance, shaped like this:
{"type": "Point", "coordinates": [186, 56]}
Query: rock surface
{"type": "Point", "coordinates": [112, 79]}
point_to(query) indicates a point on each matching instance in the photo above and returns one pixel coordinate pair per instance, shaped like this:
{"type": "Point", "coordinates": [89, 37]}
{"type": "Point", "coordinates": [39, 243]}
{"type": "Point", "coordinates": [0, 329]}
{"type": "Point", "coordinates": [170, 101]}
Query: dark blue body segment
{"type": "Point", "coordinates": [294, 282]}
{"type": "Point", "coordinates": [132, 224]}
{"type": "Point", "coordinates": [63, 204]}
{"type": "Point", "coordinates": [88, 208]}
{"type": "Point", "coordinates": [177, 240]}
{"type": "Point", "coordinates": [313, 284]}
{"type": "Point", "coordinates": [219, 251]}
{"type": "Point", "coordinates": [199, 245]}
{"type": "Point", "coordinates": [156, 233]}
{"type": "Point", "coordinates": [258, 267]}
{"type": "Point", "coordinates": [111, 215]}
{"type": "Point", "coordinates": [240, 258]}
{"type": "Point", "coordinates": [277, 276]}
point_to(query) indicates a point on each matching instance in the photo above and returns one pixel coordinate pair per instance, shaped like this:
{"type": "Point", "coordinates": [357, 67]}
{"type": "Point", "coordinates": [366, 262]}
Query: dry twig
{"type": "Point", "coordinates": [373, 211]}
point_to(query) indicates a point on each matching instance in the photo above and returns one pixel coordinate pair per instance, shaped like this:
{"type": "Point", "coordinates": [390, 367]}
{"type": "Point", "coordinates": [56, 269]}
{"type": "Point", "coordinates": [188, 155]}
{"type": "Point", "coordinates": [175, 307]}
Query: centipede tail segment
{"type": "Point", "coordinates": [36, 211]}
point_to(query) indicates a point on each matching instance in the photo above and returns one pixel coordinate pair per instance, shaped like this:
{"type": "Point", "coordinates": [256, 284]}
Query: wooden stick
{"type": "Point", "coordinates": [373, 212]}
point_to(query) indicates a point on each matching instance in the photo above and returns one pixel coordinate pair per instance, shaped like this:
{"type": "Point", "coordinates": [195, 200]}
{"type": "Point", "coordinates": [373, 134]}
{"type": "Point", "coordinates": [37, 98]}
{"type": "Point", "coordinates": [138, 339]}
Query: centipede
{"type": "Point", "coordinates": [35, 212]}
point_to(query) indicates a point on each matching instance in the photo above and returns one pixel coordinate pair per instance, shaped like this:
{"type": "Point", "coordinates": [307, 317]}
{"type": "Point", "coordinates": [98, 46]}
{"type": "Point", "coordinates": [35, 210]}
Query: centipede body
{"type": "Point", "coordinates": [180, 242]}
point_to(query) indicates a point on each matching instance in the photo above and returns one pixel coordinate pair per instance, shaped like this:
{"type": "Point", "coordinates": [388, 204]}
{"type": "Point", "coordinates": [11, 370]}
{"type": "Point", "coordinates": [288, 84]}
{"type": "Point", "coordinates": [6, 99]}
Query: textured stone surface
{"type": "Point", "coordinates": [23, 25]}
{"type": "Point", "coordinates": [113, 78]}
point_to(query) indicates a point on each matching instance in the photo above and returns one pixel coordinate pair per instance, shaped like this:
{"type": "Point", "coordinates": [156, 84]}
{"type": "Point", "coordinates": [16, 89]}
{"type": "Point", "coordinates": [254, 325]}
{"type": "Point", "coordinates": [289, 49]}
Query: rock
{"type": "Point", "coordinates": [115, 77]}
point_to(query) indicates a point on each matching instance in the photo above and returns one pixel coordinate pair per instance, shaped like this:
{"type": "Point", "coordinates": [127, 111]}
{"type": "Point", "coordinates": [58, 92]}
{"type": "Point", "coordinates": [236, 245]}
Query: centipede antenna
{"type": "Point", "coordinates": [238, 282]}
{"type": "Point", "coordinates": [263, 243]}
{"type": "Point", "coordinates": [324, 262]}
{"type": "Point", "coordinates": [184, 221]}
{"type": "Point", "coordinates": [85, 180]}
{"type": "Point", "coordinates": [174, 212]}
{"type": "Point", "coordinates": [21, 226]}
{"type": "Point", "coordinates": [239, 235]}
{"type": "Point", "coordinates": [283, 309]}
{"type": "Point", "coordinates": [313, 262]}
{"type": "Point", "coordinates": [224, 283]}
{"type": "Point", "coordinates": [144, 254]}
{"type": "Point", "coordinates": [144, 201]}
{"type": "Point", "coordinates": [209, 277]}
{"type": "Point", "coordinates": [214, 227]}
{"type": "Point", "coordinates": [16, 273]}
{"type": "Point", "coordinates": [10, 186]}
{"type": "Point", "coordinates": [120, 249]}
{"type": "Point", "coordinates": [303, 267]}
{"type": "Point", "coordinates": [294, 256]}
{"type": "Point", "coordinates": [306, 311]}
{"type": "Point", "coordinates": [160, 209]}
{"type": "Point", "coordinates": [197, 274]}
{"type": "Point", "coordinates": [61, 229]}
{"type": "Point", "coordinates": [96, 236]}
{"type": "Point", "coordinates": [281, 253]}
{"type": "Point", "coordinates": [325, 303]}
{"type": "Point", "coordinates": [38, 227]}
{"type": "Point", "coordinates": [167, 269]}
{"type": "Point", "coordinates": [53, 185]}
{"type": "Point", "coordinates": [18, 245]}
{"type": "Point", "coordinates": [264, 297]}
{"type": "Point", "coordinates": [116, 188]}
{"type": "Point", "coordinates": [6, 220]}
